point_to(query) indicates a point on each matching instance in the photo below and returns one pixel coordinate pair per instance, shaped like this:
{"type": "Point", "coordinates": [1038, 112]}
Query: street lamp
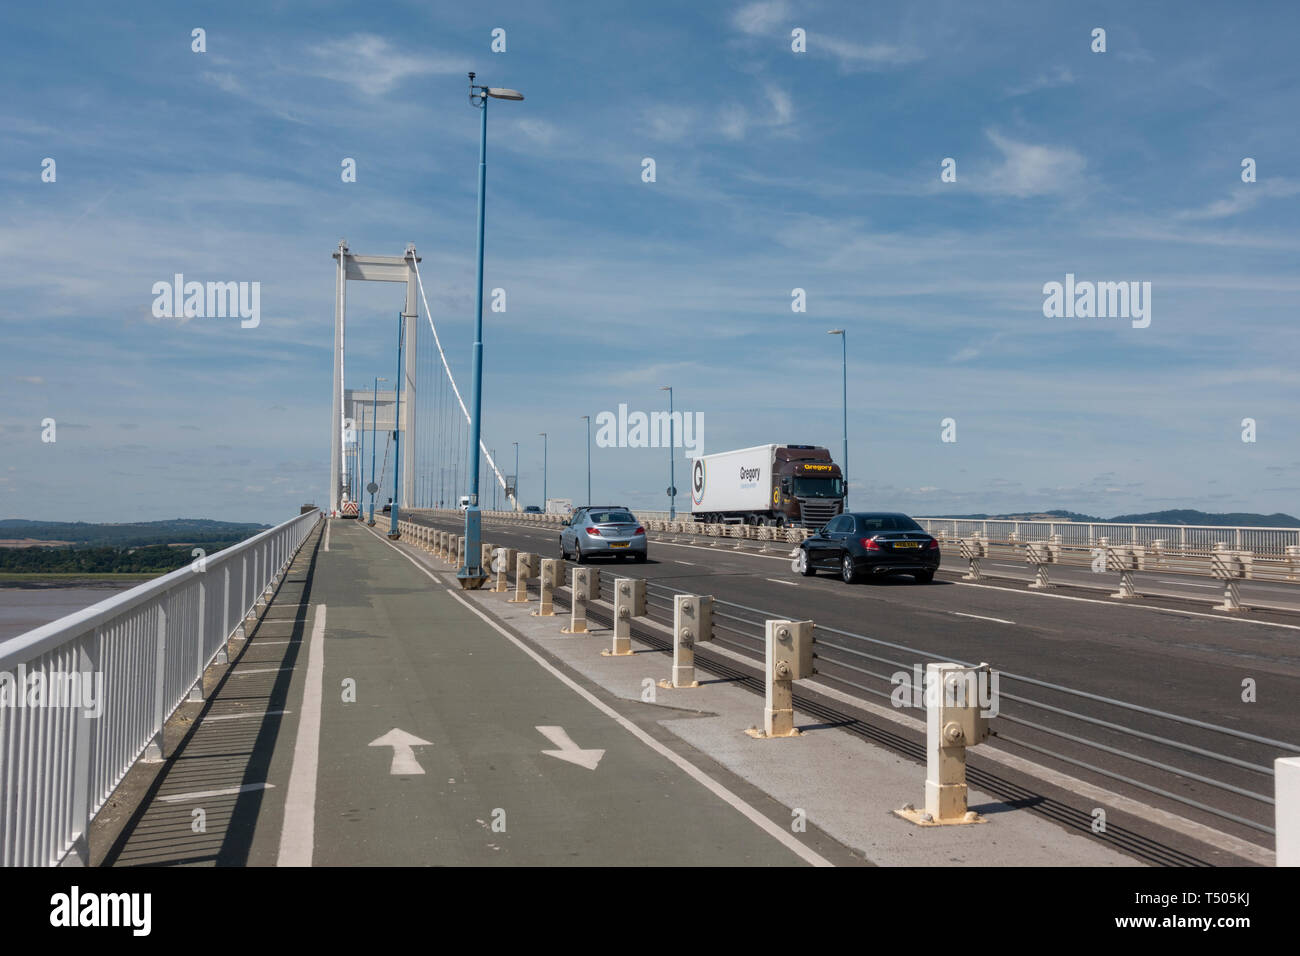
{"type": "Point", "coordinates": [588, 418]}
{"type": "Point", "coordinates": [543, 434]}
{"type": "Point", "coordinates": [374, 408]}
{"type": "Point", "coordinates": [844, 365]}
{"type": "Point", "coordinates": [472, 574]}
{"type": "Point", "coordinates": [397, 424]}
{"type": "Point", "coordinates": [672, 484]}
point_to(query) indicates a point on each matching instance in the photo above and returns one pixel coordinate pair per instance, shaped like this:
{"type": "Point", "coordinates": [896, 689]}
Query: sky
{"type": "Point", "coordinates": [775, 169]}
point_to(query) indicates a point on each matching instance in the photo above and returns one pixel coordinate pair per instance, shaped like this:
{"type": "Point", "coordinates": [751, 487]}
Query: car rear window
{"type": "Point", "coordinates": [610, 517]}
{"type": "Point", "coordinates": [887, 523]}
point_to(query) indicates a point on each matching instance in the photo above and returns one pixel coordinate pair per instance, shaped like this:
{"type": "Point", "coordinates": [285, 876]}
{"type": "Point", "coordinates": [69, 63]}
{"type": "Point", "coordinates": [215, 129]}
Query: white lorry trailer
{"type": "Point", "coordinates": [767, 484]}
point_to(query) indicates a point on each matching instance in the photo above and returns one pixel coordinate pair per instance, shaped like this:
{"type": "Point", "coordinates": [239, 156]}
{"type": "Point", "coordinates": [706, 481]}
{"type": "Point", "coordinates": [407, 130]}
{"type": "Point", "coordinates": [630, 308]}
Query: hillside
{"type": "Point", "coordinates": [1187, 516]}
{"type": "Point", "coordinates": [197, 531]}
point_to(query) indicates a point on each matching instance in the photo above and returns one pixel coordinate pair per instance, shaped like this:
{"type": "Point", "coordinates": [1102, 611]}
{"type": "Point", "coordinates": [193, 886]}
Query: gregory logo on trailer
{"type": "Point", "coordinates": [697, 481]}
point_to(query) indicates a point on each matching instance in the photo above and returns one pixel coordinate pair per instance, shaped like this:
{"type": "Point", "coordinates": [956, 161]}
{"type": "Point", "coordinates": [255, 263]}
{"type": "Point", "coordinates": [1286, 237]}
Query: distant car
{"type": "Point", "coordinates": [870, 542]}
{"type": "Point", "coordinates": [388, 506]}
{"type": "Point", "coordinates": [463, 504]}
{"type": "Point", "coordinates": [605, 532]}
{"type": "Point", "coordinates": [532, 510]}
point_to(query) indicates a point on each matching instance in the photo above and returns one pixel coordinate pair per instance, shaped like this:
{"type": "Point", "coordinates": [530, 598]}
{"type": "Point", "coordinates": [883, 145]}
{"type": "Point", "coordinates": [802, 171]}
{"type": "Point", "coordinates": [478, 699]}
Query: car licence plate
{"type": "Point", "coordinates": [618, 544]}
{"type": "Point", "coordinates": [907, 544]}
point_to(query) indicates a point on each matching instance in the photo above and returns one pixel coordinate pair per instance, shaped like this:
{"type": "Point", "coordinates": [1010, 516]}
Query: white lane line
{"type": "Point", "coordinates": [736, 802]}
{"type": "Point", "coordinates": [1128, 607]}
{"type": "Point", "coordinates": [298, 834]}
{"type": "Point", "coordinates": [793, 584]}
{"type": "Point", "coordinates": [981, 617]}
{"type": "Point", "coordinates": [259, 713]}
{"type": "Point", "coordinates": [327, 534]}
{"type": "Point", "coordinates": [1188, 584]}
{"type": "Point", "coordinates": [688, 563]}
{"type": "Point", "coordinates": [223, 792]}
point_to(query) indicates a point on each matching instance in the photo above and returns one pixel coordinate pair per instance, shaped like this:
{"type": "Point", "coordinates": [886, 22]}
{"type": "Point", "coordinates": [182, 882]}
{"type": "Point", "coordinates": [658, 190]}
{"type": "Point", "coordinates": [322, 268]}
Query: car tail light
{"type": "Point", "coordinates": [595, 531]}
{"type": "Point", "coordinates": [933, 545]}
{"type": "Point", "coordinates": [870, 544]}
{"type": "Point", "coordinates": [639, 531]}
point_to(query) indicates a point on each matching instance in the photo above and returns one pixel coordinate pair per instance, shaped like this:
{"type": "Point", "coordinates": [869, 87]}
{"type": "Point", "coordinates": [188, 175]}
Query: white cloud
{"type": "Point", "coordinates": [761, 17]}
{"type": "Point", "coordinates": [1243, 197]}
{"type": "Point", "coordinates": [668, 122]}
{"type": "Point", "coordinates": [855, 57]}
{"type": "Point", "coordinates": [782, 108]}
{"type": "Point", "coordinates": [1059, 76]}
{"type": "Point", "coordinates": [374, 66]}
{"type": "Point", "coordinates": [1028, 169]}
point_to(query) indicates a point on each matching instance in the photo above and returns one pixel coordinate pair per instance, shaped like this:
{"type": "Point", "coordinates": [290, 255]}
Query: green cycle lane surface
{"type": "Point", "coordinates": [426, 665]}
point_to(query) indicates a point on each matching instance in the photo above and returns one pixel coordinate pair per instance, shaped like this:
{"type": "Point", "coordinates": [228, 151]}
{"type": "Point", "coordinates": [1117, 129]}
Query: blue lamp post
{"type": "Point", "coordinates": [844, 367]}
{"type": "Point", "coordinates": [471, 574]}
{"type": "Point", "coordinates": [374, 417]}
{"type": "Point", "coordinates": [397, 428]}
{"type": "Point", "coordinates": [544, 443]}
{"type": "Point", "coordinates": [672, 441]}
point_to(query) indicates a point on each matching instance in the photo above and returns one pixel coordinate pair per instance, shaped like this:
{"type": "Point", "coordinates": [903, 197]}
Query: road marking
{"type": "Point", "coordinates": [1145, 607]}
{"type": "Point", "coordinates": [327, 534]}
{"type": "Point", "coordinates": [223, 792]}
{"type": "Point", "coordinates": [778, 833]}
{"type": "Point", "coordinates": [298, 833]}
{"type": "Point", "coordinates": [404, 763]}
{"type": "Point", "coordinates": [260, 713]}
{"type": "Point", "coordinates": [1188, 584]}
{"type": "Point", "coordinates": [981, 617]}
{"type": "Point", "coordinates": [689, 563]}
{"type": "Point", "coordinates": [793, 584]}
{"type": "Point", "coordinates": [568, 749]}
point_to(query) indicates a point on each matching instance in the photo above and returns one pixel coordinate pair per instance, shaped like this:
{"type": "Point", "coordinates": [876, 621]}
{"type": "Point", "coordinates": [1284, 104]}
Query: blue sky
{"type": "Point", "coordinates": [774, 170]}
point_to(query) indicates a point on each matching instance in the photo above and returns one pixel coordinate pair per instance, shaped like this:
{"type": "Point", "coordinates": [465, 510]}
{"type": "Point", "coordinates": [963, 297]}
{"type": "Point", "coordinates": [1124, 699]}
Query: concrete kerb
{"type": "Point", "coordinates": [847, 787]}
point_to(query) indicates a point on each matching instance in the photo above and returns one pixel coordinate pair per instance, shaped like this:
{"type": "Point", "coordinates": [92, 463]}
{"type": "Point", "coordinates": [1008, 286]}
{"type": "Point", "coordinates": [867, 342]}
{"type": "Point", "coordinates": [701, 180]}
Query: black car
{"type": "Point", "coordinates": [870, 542]}
{"type": "Point", "coordinates": [533, 510]}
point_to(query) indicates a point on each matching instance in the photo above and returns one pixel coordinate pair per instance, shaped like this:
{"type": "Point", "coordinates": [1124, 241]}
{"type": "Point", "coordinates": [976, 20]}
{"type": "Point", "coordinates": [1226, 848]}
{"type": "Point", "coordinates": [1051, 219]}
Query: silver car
{"type": "Point", "coordinates": [609, 531]}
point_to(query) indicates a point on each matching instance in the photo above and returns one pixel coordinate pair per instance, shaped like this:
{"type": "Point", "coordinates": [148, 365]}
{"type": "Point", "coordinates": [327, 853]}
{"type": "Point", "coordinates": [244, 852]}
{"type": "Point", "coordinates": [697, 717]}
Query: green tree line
{"type": "Point", "coordinates": [153, 559]}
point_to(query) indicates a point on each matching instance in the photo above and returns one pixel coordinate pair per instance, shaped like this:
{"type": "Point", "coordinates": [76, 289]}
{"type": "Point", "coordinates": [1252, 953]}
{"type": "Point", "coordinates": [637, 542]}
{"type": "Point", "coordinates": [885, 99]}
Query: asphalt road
{"type": "Point", "coordinates": [1162, 653]}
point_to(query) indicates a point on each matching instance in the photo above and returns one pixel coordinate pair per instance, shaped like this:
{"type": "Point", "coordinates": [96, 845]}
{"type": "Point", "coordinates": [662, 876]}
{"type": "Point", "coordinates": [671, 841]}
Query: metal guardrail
{"type": "Point", "coordinates": [1141, 738]}
{"type": "Point", "coordinates": [111, 675]}
{"type": "Point", "coordinates": [1182, 539]}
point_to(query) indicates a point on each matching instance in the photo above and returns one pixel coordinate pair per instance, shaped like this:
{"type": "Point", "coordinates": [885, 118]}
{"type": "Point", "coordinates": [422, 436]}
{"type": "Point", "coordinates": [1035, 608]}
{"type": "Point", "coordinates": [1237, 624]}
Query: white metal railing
{"type": "Point", "coordinates": [1184, 539]}
{"type": "Point", "coordinates": [111, 675]}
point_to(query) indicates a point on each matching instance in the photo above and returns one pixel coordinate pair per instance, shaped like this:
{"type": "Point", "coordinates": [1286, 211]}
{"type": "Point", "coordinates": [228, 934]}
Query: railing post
{"type": "Point", "coordinates": [953, 722]}
{"type": "Point", "coordinates": [196, 691]}
{"type": "Point", "coordinates": [154, 749]}
{"type": "Point", "coordinates": [506, 560]}
{"type": "Point", "coordinates": [1286, 814]}
{"type": "Point", "coordinates": [692, 624]}
{"type": "Point", "coordinates": [87, 665]}
{"type": "Point", "coordinates": [629, 602]}
{"type": "Point", "coordinates": [523, 571]}
{"type": "Point", "coordinates": [579, 589]}
{"type": "Point", "coordinates": [546, 585]}
{"type": "Point", "coordinates": [788, 657]}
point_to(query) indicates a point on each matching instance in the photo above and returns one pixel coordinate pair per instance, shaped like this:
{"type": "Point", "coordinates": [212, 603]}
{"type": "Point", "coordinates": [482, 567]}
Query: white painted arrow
{"type": "Point", "coordinates": [568, 749]}
{"type": "Point", "coordinates": [404, 762]}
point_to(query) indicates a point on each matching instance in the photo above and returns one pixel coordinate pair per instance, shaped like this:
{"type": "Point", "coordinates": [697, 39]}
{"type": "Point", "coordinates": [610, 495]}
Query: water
{"type": "Point", "coordinates": [24, 608]}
